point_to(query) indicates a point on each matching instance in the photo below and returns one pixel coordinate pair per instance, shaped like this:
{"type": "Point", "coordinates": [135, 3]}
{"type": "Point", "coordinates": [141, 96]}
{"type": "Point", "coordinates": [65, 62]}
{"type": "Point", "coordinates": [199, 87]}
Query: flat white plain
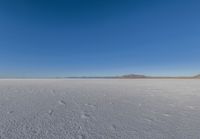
{"type": "Point", "coordinates": [99, 109]}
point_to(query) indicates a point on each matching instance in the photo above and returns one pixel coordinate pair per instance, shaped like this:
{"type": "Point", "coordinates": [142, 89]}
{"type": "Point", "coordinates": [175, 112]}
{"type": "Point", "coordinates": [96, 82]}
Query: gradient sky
{"type": "Point", "coordinates": [99, 37]}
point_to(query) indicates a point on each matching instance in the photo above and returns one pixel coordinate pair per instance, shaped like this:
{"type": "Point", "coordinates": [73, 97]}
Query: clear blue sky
{"type": "Point", "coordinates": [99, 37]}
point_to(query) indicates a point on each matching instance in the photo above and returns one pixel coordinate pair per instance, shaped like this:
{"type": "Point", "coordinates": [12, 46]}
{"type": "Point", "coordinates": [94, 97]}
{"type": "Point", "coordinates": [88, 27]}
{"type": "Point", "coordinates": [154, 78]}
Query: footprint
{"type": "Point", "coordinates": [191, 107]}
{"type": "Point", "coordinates": [111, 103]}
{"type": "Point", "coordinates": [90, 105]}
{"type": "Point", "coordinates": [79, 128]}
{"type": "Point", "coordinates": [85, 116]}
{"type": "Point", "coordinates": [10, 112]}
{"type": "Point", "coordinates": [82, 136]}
{"type": "Point", "coordinates": [166, 115]}
{"type": "Point", "coordinates": [53, 92]}
{"type": "Point", "coordinates": [113, 127]}
{"type": "Point", "coordinates": [149, 120]}
{"type": "Point", "coordinates": [139, 105]}
{"type": "Point", "coordinates": [34, 131]}
{"type": "Point", "coordinates": [61, 102]}
{"type": "Point", "coordinates": [50, 112]}
{"type": "Point", "coordinates": [172, 105]}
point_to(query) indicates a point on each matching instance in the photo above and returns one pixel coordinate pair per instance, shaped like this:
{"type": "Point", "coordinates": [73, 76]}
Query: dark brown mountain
{"type": "Point", "coordinates": [133, 76]}
{"type": "Point", "coordinates": [197, 76]}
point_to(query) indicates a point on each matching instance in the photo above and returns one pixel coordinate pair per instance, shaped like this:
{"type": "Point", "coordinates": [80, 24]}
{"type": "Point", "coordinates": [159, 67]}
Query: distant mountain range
{"type": "Point", "coordinates": [126, 76]}
{"type": "Point", "coordinates": [133, 76]}
{"type": "Point", "coordinates": [197, 76]}
{"type": "Point", "coordinates": [139, 76]}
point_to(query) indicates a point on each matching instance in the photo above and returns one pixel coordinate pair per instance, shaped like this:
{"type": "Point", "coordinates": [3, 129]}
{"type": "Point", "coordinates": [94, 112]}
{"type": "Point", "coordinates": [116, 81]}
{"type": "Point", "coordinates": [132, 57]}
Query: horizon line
{"type": "Point", "coordinates": [98, 76]}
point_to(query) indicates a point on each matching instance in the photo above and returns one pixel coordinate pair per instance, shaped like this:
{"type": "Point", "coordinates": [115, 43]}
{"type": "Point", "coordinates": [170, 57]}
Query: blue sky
{"type": "Point", "coordinates": [40, 38]}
